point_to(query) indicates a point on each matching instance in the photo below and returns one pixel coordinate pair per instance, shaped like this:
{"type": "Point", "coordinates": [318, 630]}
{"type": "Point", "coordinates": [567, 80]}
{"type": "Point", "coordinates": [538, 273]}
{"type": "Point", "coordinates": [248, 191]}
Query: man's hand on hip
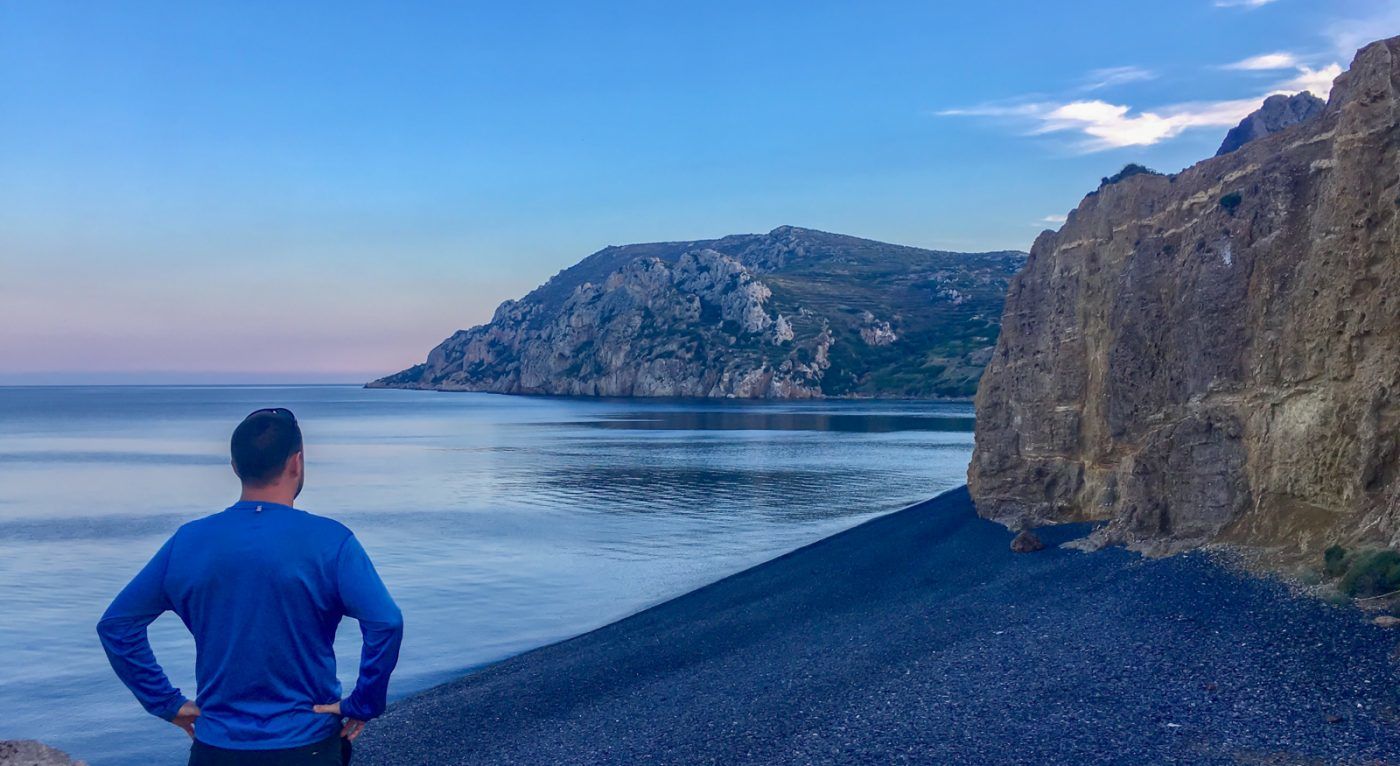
{"type": "Point", "coordinates": [184, 717]}
{"type": "Point", "coordinates": [353, 726]}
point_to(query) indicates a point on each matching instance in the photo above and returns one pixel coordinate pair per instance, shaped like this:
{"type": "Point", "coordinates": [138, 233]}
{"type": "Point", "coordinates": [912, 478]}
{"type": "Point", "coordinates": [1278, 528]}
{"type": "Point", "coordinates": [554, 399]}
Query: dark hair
{"type": "Point", "coordinates": [262, 444]}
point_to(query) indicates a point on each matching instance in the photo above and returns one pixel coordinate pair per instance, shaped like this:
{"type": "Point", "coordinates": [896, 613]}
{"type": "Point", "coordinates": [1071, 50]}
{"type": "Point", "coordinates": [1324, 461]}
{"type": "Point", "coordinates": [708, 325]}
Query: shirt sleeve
{"type": "Point", "coordinates": [365, 598]}
{"type": "Point", "coordinates": [122, 630]}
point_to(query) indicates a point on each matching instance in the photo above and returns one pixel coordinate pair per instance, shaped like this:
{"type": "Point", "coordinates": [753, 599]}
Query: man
{"type": "Point", "coordinates": [262, 586]}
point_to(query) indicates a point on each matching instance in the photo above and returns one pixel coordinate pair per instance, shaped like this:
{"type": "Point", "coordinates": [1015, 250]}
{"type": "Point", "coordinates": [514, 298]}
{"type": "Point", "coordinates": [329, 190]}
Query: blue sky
{"type": "Point", "coordinates": [316, 191]}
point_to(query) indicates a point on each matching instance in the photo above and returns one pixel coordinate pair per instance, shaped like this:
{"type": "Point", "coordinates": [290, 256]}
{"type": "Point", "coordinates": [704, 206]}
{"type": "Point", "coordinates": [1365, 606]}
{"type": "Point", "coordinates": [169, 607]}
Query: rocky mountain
{"type": "Point", "coordinates": [1277, 112]}
{"type": "Point", "coordinates": [1215, 355]}
{"type": "Point", "coordinates": [793, 313]}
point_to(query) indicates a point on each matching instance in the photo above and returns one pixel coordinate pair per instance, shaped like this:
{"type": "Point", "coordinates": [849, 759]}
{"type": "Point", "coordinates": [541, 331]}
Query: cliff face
{"type": "Point", "coordinates": [1214, 355]}
{"type": "Point", "coordinates": [793, 313]}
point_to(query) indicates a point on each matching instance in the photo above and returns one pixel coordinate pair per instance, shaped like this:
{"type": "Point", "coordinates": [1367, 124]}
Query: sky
{"type": "Point", "coordinates": [309, 192]}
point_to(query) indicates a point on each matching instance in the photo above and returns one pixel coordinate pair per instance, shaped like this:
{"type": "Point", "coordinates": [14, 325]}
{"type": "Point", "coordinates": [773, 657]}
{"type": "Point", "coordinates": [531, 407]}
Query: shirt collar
{"type": "Point", "coordinates": [258, 505]}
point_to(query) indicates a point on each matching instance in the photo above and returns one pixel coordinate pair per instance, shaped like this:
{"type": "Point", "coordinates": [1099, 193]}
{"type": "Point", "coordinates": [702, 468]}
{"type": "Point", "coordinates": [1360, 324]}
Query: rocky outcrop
{"type": "Point", "coordinates": [1276, 113]}
{"type": "Point", "coordinates": [1215, 355]}
{"type": "Point", "coordinates": [27, 752]}
{"type": "Point", "coordinates": [791, 314]}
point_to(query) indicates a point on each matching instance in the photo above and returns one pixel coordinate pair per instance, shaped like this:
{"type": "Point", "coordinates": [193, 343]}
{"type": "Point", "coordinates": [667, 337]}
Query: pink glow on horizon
{"type": "Point", "coordinates": [319, 325]}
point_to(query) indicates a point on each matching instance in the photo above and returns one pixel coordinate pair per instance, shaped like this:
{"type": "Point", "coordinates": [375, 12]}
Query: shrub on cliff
{"type": "Point", "coordinates": [1363, 573]}
{"type": "Point", "coordinates": [1129, 170]}
{"type": "Point", "coordinates": [1372, 573]}
{"type": "Point", "coordinates": [1334, 561]}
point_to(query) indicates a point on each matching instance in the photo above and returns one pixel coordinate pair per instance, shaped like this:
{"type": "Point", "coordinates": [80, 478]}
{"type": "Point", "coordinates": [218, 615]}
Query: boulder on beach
{"type": "Point", "coordinates": [1026, 542]}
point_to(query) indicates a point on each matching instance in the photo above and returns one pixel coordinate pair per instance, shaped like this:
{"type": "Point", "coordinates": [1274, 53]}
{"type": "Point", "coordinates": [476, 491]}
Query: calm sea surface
{"type": "Point", "coordinates": [499, 523]}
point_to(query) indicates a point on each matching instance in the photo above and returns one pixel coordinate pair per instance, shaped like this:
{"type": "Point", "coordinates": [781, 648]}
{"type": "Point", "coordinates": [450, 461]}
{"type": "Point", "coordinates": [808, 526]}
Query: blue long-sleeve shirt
{"type": "Point", "coordinates": [262, 587]}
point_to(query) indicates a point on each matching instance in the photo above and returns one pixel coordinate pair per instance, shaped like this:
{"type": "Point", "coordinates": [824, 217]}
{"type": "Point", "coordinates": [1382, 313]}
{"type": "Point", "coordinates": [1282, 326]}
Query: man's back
{"type": "Point", "coordinates": [262, 586]}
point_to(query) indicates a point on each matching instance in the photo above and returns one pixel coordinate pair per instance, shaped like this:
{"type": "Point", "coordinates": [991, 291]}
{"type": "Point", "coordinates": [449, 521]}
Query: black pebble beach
{"type": "Point", "coordinates": [919, 637]}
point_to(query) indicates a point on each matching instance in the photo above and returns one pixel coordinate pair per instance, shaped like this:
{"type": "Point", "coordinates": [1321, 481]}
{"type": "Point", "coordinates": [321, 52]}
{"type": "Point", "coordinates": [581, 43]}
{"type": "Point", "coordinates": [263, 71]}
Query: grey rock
{"type": "Point", "coordinates": [27, 752]}
{"type": "Point", "coordinates": [875, 331]}
{"type": "Point", "coordinates": [1191, 371]}
{"type": "Point", "coordinates": [1276, 113]}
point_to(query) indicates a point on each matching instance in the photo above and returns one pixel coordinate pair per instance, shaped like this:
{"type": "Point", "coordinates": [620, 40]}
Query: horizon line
{"type": "Point", "coordinates": [182, 378]}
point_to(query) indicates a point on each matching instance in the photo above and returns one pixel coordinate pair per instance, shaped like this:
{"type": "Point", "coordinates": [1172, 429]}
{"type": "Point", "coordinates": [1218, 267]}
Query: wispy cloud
{"type": "Point", "coordinates": [1110, 126]}
{"type": "Point", "coordinates": [1315, 81]}
{"type": "Point", "coordinates": [1251, 4]}
{"type": "Point", "coordinates": [1266, 61]}
{"type": "Point", "coordinates": [1051, 220]}
{"type": "Point", "coordinates": [1104, 125]}
{"type": "Point", "coordinates": [1348, 35]}
{"type": "Point", "coordinates": [1116, 75]}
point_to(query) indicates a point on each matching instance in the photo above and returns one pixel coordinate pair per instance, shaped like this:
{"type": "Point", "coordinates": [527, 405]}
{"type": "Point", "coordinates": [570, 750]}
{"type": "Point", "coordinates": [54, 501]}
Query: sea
{"type": "Point", "coordinates": [499, 523]}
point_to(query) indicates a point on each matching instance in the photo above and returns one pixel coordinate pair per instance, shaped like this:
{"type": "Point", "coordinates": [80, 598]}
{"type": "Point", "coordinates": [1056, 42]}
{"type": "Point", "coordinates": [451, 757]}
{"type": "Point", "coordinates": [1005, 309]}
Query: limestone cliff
{"type": "Point", "coordinates": [1214, 355]}
{"type": "Point", "coordinates": [794, 313]}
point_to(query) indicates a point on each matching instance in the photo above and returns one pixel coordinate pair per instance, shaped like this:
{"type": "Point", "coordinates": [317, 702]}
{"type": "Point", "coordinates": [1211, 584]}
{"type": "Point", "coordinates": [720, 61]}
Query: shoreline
{"type": "Point", "coordinates": [373, 386]}
{"type": "Point", "coordinates": [918, 637]}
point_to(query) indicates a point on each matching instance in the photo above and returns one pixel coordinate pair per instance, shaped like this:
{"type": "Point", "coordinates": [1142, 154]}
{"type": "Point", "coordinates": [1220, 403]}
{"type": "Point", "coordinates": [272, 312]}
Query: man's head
{"type": "Point", "coordinates": [266, 449]}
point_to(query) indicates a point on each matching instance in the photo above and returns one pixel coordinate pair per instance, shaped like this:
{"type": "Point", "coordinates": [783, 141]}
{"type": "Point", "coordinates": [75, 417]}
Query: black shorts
{"type": "Point", "coordinates": [332, 751]}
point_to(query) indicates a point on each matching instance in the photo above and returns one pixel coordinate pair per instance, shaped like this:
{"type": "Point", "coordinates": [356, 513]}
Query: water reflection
{"type": "Point", "coordinates": [747, 420]}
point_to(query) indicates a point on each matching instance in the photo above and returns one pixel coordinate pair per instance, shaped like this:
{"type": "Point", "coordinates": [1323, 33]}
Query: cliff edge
{"type": "Point", "coordinates": [1214, 355]}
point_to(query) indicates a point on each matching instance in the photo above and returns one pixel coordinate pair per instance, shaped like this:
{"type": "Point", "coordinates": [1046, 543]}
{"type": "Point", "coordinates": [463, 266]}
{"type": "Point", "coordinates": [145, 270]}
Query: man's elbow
{"type": "Point", "coordinates": [389, 622]}
{"type": "Point", "coordinates": [109, 632]}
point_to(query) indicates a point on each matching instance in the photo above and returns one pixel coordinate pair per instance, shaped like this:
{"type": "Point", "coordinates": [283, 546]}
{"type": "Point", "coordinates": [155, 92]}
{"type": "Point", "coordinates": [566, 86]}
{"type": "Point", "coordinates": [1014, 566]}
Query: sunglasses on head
{"type": "Point", "coordinates": [281, 412]}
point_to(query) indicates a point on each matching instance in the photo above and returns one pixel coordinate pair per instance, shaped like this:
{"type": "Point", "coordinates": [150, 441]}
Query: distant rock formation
{"type": "Point", "coordinates": [27, 752]}
{"type": "Point", "coordinates": [791, 314]}
{"type": "Point", "coordinates": [1276, 113]}
{"type": "Point", "coordinates": [1215, 355]}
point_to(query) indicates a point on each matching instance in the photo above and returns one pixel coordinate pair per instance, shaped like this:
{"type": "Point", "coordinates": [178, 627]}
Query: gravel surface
{"type": "Point", "coordinates": [919, 637]}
